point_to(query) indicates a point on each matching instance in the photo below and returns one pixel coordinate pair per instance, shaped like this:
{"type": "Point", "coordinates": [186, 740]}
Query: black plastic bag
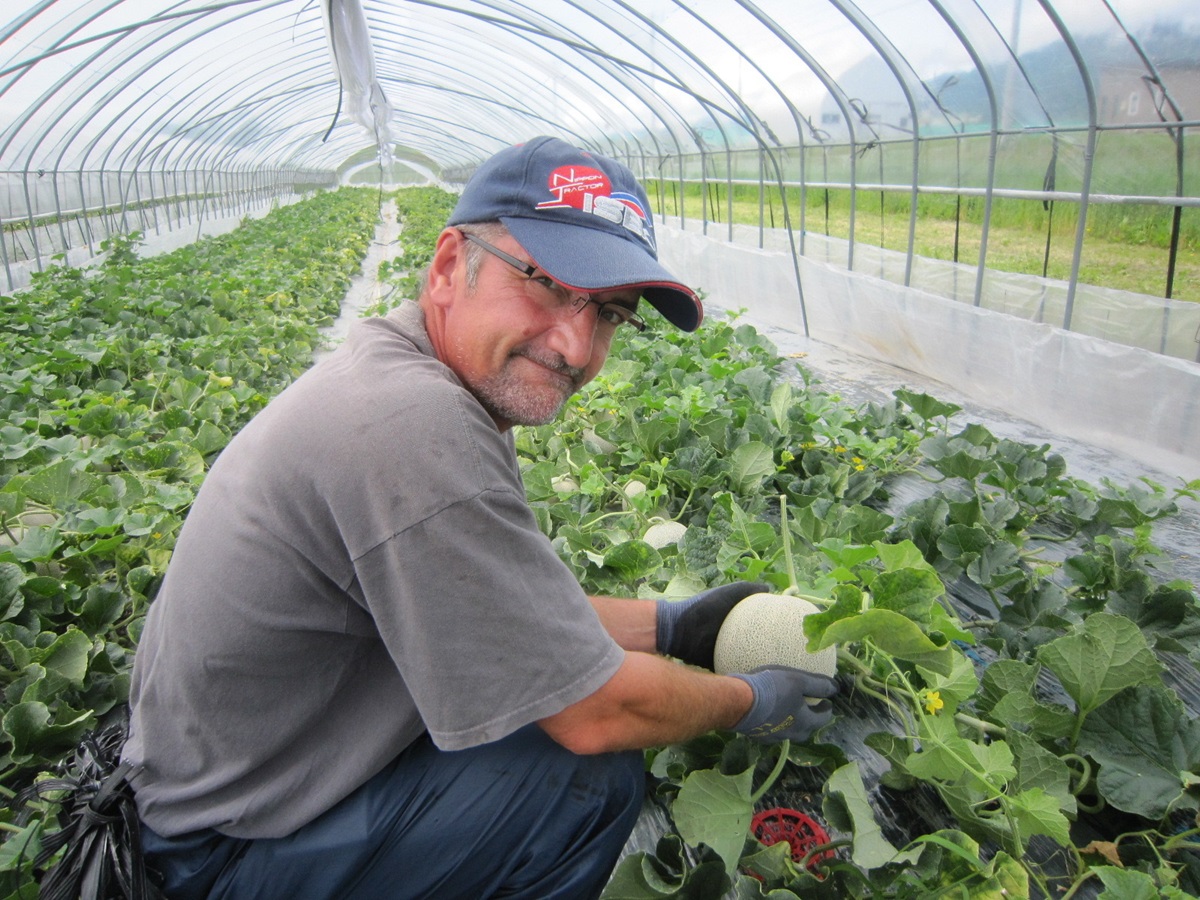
{"type": "Point", "coordinates": [99, 826]}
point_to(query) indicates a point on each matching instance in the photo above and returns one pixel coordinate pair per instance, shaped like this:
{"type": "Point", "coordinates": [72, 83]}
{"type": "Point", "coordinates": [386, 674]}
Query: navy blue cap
{"type": "Point", "coordinates": [582, 217]}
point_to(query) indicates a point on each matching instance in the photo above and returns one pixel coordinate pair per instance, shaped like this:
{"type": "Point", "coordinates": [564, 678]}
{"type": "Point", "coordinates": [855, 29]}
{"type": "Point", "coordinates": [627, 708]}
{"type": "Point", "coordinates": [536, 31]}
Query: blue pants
{"type": "Point", "coordinates": [518, 818]}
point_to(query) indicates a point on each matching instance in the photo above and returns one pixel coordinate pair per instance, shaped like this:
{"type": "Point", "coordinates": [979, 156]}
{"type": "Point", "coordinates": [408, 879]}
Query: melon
{"type": "Point", "coordinates": [663, 534]}
{"type": "Point", "coordinates": [633, 488]}
{"type": "Point", "coordinates": [768, 630]}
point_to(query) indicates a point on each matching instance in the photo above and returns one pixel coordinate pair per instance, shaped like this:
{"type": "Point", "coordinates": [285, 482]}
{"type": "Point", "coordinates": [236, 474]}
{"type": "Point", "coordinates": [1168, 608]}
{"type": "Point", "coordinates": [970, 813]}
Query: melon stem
{"type": "Point", "coordinates": [785, 747]}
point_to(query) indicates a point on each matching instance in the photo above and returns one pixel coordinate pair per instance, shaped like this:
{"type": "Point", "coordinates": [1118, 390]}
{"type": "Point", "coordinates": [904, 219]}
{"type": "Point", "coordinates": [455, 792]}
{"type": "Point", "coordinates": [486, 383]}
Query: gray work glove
{"type": "Point", "coordinates": [687, 629]}
{"type": "Point", "coordinates": [781, 709]}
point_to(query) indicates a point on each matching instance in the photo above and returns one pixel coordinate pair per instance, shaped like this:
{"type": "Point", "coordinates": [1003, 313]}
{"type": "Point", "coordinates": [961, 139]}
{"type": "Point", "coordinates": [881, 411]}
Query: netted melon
{"type": "Point", "coordinates": [768, 630]}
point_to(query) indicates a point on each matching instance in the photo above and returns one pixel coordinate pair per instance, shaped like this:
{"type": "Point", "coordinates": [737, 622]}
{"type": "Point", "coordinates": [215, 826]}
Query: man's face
{"type": "Point", "coordinates": [521, 353]}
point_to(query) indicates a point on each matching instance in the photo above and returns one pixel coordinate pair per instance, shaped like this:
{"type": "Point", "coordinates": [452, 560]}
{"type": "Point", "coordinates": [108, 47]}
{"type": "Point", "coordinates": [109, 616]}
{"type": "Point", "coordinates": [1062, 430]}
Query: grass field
{"type": "Point", "coordinates": [1125, 247]}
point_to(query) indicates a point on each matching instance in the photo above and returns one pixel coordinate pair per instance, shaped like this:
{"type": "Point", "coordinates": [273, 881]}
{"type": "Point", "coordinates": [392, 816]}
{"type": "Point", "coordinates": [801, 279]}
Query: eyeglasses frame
{"type": "Point", "coordinates": [528, 270]}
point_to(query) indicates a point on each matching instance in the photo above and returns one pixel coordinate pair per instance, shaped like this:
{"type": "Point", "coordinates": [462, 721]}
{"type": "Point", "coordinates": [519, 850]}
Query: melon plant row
{"type": "Point", "coordinates": [120, 386]}
{"type": "Point", "coordinates": [1012, 628]}
{"type": "Point", "coordinates": [423, 212]}
{"type": "Point", "coordinates": [1015, 627]}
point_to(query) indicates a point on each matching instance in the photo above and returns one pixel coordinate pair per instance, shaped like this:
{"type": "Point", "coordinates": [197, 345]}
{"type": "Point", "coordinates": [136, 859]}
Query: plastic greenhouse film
{"type": "Point", "coordinates": [353, 58]}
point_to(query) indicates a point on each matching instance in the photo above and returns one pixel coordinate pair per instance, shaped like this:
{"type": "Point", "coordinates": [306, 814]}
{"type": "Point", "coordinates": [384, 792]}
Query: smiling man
{"type": "Point", "coordinates": [367, 673]}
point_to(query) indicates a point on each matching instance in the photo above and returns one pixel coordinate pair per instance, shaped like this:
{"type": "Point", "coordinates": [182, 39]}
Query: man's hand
{"type": "Point", "coordinates": [782, 708]}
{"type": "Point", "coordinates": [687, 629]}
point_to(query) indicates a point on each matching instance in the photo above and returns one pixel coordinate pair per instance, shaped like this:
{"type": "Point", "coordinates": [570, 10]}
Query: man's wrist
{"type": "Point", "coordinates": [743, 702]}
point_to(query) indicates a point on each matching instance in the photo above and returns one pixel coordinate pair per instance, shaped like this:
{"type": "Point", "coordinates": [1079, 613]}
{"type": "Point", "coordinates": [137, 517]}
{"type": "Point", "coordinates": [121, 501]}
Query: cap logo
{"type": "Point", "coordinates": [589, 190]}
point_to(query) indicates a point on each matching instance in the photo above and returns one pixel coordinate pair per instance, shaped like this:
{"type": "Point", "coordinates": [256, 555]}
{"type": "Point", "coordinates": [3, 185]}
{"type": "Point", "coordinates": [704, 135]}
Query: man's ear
{"type": "Point", "coordinates": [444, 269]}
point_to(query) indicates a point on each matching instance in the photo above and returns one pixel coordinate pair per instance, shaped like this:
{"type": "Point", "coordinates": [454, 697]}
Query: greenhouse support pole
{"type": "Point", "coordinates": [173, 193]}
{"type": "Point", "coordinates": [153, 200]}
{"type": "Point", "coordinates": [37, 253]}
{"type": "Point", "coordinates": [729, 189]}
{"type": "Point", "coordinates": [681, 187]}
{"type": "Point", "coordinates": [1176, 135]}
{"type": "Point", "coordinates": [66, 243]}
{"type": "Point", "coordinates": [1089, 157]}
{"type": "Point", "coordinates": [123, 194]}
{"type": "Point", "coordinates": [840, 98]}
{"type": "Point", "coordinates": [87, 219]}
{"type": "Point", "coordinates": [892, 58]}
{"type": "Point", "coordinates": [762, 192]}
{"type": "Point", "coordinates": [993, 144]}
{"type": "Point", "coordinates": [4, 254]}
{"type": "Point", "coordinates": [104, 217]}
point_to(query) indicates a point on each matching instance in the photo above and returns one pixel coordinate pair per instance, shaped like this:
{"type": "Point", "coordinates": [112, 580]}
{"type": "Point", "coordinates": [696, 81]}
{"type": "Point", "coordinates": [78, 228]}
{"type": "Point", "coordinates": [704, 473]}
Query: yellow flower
{"type": "Point", "coordinates": [839, 449]}
{"type": "Point", "coordinates": [933, 702]}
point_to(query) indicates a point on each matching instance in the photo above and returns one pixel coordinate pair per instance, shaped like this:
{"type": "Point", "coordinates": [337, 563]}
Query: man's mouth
{"type": "Point", "coordinates": [555, 363]}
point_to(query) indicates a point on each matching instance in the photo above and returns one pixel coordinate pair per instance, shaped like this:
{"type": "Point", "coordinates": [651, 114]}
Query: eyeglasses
{"type": "Point", "coordinates": [552, 295]}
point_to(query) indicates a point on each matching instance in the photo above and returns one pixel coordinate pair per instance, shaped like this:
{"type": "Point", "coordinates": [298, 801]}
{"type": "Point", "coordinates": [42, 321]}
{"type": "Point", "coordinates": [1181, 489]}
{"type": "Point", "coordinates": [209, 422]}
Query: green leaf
{"type": "Point", "coordinates": [781, 405]}
{"type": "Point", "coordinates": [715, 809]}
{"type": "Point", "coordinates": [1037, 812]}
{"type": "Point", "coordinates": [33, 733]}
{"type": "Point", "coordinates": [925, 406]}
{"type": "Point", "coordinates": [757, 380]}
{"type": "Point", "coordinates": [1006, 879]}
{"type": "Point", "coordinates": [1107, 656]}
{"type": "Point", "coordinates": [1169, 617]}
{"type": "Point", "coordinates": [892, 633]}
{"type": "Point", "coordinates": [19, 849]}
{"type": "Point", "coordinates": [846, 555]}
{"type": "Point", "coordinates": [895, 749]}
{"type": "Point", "coordinates": [948, 758]}
{"type": "Point", "coordinates": [1038, 768]}
{"type": "Point", "coordinates": [633, 559]}
{"type": "Point", "coordinates": [957, 458]}
{"type": "Point", "coordinates": [955, 686]}
{"type": "Point", "coordinates": [773, 863]}
{"type": "Point", "coordinates": [11, 599]}
{"type": "Point", "coordinates": [901, 555]}
{"type": "Point", "coordinates": [67, 656]}
{"type": "Point", "coordinates": [749, 464]}
{"type": "Point", "coordinates": [99, 519]}
{"type": "Point", "coordinates": [38, 544]}
{"type": "Point", "coordinates": [1124, 884]}
{"type": "Point", "coordinates": [911, 592]}
{"type": "Point", "coordinates": [210, 438]}
{"type": "Point", "coordinates": [667, 875]}
{"type": "Point", "coordinates": [987, 559]}
{"type": "Point", "coordinates": [103, 606]}
{"type": "Point", "coordinates": [59, 485]}
{"type": "Point", "coordinates": [1148, 748]}
{"type": "Point", "coordinates": [848, 809]}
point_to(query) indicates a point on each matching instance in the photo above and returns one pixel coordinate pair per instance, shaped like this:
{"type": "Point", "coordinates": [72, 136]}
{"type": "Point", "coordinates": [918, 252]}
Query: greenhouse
{"type": "Point", "coordinates": [946, 386]}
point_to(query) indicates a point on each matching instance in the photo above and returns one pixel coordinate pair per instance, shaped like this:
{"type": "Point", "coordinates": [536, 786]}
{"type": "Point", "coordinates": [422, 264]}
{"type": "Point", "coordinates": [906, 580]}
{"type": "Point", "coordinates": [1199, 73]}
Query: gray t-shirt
{"type": "Point", "coordinates": [360, 566]}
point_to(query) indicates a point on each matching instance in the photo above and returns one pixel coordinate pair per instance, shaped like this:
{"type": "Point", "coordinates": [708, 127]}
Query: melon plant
{"type": "Point", "coordinates": [768, 630]}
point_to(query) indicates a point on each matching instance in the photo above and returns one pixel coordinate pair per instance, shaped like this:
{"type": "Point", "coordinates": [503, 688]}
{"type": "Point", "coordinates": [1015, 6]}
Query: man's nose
{"type": "Point", "coordinates": [574, 334]}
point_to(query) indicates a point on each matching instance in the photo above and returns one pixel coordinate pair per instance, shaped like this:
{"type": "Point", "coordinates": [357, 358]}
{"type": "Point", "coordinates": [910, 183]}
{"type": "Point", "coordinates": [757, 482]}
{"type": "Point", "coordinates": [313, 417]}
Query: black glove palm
{"type": "Point", "coordinates": [687, 629]}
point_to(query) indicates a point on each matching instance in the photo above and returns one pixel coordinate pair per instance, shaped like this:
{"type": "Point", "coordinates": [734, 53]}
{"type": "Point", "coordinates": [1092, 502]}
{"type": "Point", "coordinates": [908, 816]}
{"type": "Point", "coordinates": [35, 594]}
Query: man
{"type": "Point", "coordinates": [367, 673]}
